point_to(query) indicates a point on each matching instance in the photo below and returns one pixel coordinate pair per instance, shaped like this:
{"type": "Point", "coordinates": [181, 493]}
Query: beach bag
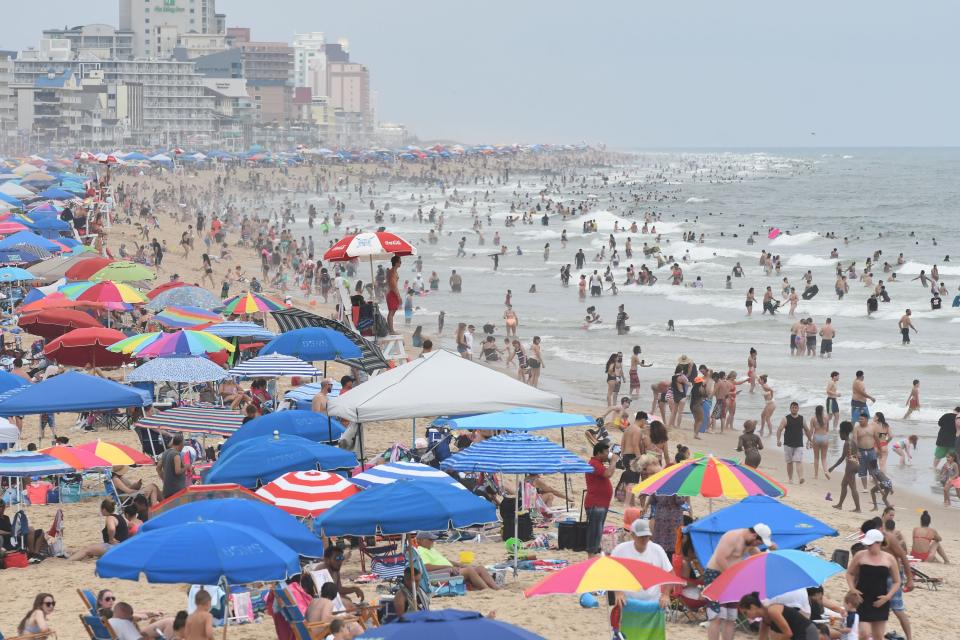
{"type": "Point", "coordinates": [15, 560]}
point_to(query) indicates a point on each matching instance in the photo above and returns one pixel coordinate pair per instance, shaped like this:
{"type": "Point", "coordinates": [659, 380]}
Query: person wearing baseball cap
{"type": "Point", "coordinates": [875, 576]}
{"type": "Point", "coordinates": [643, 549]}
{"type": "Point", "coordinates": [732, 547]}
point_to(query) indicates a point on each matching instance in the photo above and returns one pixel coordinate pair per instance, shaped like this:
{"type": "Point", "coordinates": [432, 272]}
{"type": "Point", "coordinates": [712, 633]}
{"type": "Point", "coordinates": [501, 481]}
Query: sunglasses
{"type": "Point", "coordinates": [50, 603]}
{"type": "Point", "coordinates": [109, 598]}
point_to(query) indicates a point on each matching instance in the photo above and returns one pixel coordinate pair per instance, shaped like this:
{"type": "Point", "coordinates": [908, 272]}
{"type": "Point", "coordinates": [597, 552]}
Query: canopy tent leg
{"type": "Point", "coordinates": [563, 443]}
{"type": "Point", "coordinates": [516, 528]}
{"type": "Point", "coordinates": [413, 436]}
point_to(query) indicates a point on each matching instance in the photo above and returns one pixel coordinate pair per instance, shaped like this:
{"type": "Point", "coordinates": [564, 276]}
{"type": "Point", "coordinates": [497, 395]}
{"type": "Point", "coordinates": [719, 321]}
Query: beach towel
{"type": "Point", "coordinates": [643, 620]}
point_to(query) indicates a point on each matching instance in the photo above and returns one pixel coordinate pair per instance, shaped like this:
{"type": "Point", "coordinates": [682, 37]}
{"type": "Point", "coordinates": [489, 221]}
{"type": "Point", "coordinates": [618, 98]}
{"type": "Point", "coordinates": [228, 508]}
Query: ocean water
{"type": "Point", "coordinates": [874, 198]}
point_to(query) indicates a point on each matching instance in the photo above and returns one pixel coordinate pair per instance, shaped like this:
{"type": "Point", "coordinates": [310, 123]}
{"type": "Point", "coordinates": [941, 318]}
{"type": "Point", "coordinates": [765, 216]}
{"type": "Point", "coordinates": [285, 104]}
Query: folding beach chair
{"type": "Point", "coordinates": [152, 442]}
{"type": "Point", "coordinates": [96, 628]}
{"type": "Point", "coordinates": [31, 636]}
{"type": "Point", "coordinates": [89, 599]}
{"type": "Point", "coordinates": [302, 630]}
{"type": "Point", "coordinates": [921, 579]}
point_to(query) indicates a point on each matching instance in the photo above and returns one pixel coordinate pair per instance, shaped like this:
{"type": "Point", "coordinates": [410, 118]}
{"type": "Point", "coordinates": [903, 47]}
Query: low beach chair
{"type": "Point", "coordinates": [89, 599]}
{"type": "Point", "coordinates": [926, 581]}
{"type": "Point", "coordinates": [97, 628]}
{"type": "Point", "coordinates": [30, 636]}
{"type": "Point", "coordinates": [302, 630]}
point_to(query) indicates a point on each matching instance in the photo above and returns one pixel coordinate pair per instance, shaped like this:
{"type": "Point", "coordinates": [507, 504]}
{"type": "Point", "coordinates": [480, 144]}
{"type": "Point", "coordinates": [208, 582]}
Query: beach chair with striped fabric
{"type": "Point", "coordinates": [302, 630]}
{"type": "Point", "coordinates": [97, 628]}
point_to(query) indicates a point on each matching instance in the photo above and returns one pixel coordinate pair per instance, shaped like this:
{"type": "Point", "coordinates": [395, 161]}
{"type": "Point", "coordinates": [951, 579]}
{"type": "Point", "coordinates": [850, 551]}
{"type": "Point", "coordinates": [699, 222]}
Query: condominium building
{"type": "Point", "coordinates": [158, 24]}
{"type": "Point", "coordinates": [96, 40]}
{"type": "Point", "coordinates": [268, 70]}
{"type": "Point", "coordinates": [348, 88]}
{"type": "Point", "coordinates": [308, 54]}
{"type": "Point", "coordinates": [8, 106]}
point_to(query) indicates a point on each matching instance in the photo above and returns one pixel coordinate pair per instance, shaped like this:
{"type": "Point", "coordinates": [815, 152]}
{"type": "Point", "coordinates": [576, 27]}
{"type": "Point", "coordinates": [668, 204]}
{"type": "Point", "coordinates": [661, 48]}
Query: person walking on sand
{"type": "Point", "coordinates": [735, 545]}
{"type": "Point", "coordinates": [905, 325]}
{"type": "Point", "coordinates": [913, 400]}
{"type": "Point", "coordinates": [849, 456]}
{"type": "Point", "coordinates": [790, 436]}
{"type": "Point", "coordinates": [750, 444]}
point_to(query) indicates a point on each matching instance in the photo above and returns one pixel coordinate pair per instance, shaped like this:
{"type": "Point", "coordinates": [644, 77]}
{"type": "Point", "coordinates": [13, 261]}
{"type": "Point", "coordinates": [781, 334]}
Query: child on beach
{"type": "Point", "coordinates": [947, 475]}
{"type": "Point", "coordinates": [913, 400]}
{"type": "Point", "coordinates": [905, 449]}
{"type": "Point", "coordinates": [881, 484]}
{"type": "Point", "coordinates": [851, 624]}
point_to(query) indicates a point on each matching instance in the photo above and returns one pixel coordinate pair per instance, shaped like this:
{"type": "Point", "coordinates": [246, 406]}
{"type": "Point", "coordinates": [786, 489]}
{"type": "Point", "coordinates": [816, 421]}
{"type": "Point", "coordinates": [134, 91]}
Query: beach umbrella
{"type": "Point", "coordinates": [123, 271]}
{"type": "Point", "coordinates": [23, 464]}
{"type": "Point", "coordinates": [87, 346]}
{"type": "Point", "coordinates": [204, 419]}
{"type": "Point", "coordinates": [307, 493]}
{"type": "Point", "coordinates": [114, 295]}
{"type": "Point", "coordinates": [186, 296]}
{"type": "Point", "coordinates": [183, 342]}
{"type": "Point", "coordinates": [73, 392]}
{"type": "Point", "coordinates": [86, 267]}
{"type": "Point", "coordinates": [178, 369]}
{"type": "Point", "coordinates": [115, 453]}
{"type": "Point", "coordinates": [253, 513]}
{"type": "Point", "coordinates": [603, 573]}
{"type": "Point", "coordinates": [10, 381]}
{"type": "Point", "coordinates": [53, 323]}
{"type": "Point", "coordinates": [202, 493]}
{"type": "Point", "coordinates": [10, 226]}
{"type": "Point", "coordinates": [273, 366]}
{"type": "Point", "coordinates": [790, 527]}
{"type": "Point", "coordinates": [240, 329]}
{"type": "Point", "coordinates": [53, 193]}
{"type": "Point", "coordinates": [187, 318]}
{"type": "Point", "coordinates": [520, 419]}
{"type": "Point", "coordinates": [57, 267]}
{"type": "Point", "coordinates": [449, 624]}
{"type": "Point", "coordinates": [58, 300]}
{"type": "Point", "coordinates": [403, 507]}
{"type": "Point", "coordinates": [306, 424]}
{"type": "Point", "coordinates": [391, 472]}
{"type": "Point", "coordinates": [710, 477]}
{"type": "Point", "coordinates": [31, 241]}
{"type": "Point", "coordinates": [312, 343]}
{"type": "Point", "coordinates": [200, 552]}
{"type": "Point", "coordinates": [250, 303]}
{"type": "Point", "coordinates": [293, 318]}
{"type": "Point", "coordinates": [380, 245]}
{"type": "Point", "coordinates": [262, 459]}
{"type": "Point", "coordinates": [79, 459]}
{"type": "Point", "coordinates": [166, 286]}
{"type": "Point", "coordinates": [771, 574]}
{"type": "Point", "coordinates": [517, 453]}
{"type": "Point", "coordinates": [304, 394]}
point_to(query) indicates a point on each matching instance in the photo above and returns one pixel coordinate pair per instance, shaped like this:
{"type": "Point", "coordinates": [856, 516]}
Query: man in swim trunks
{"type": "Point", "coordinates": [833, 407]}
{"type": "Point", "coordinates": [735, 545]}
{"type": "Point", "coordinates": [394, 301]}
{"type": "Point", "coordinates": [858, 402]}
{"type": "Point", "coordinates": [905, 325]}
{"type": "Point", "coordinates": [827, 334]}
{"type": "Point", "coordinates": [865, 437]}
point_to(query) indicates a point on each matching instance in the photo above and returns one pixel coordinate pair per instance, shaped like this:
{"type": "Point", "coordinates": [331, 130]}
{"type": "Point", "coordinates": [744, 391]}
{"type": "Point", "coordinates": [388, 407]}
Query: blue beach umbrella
{"type": "Point", "coordinates": [178, 369]}
{"type": "Point", "coordinates": [516, 453]}
{"type": "Point", "coordinates": [10, 381]}
{"type": "Point", "coordinates": [200, 552]}
{"type": "Point", "coordinates": [240, 329]}
{"type": "Point", "coordinates": [187, 296]}
{"type": "Point", "coordinates": [403, 507]}
{"type": "Point", "coordinates": [23, 464]}
{"type": "Point", "coordinates": [448, 624]}
{"type": "Point", "coordinates": [15, 274]}
{"type": "Point", "coordinates": [296, 422]}
{"type": "Point", "coordinates": [313, 343]}
{"type": "Point", "coordinates": [252, 513]}
{"type": "Point", "coordinates": [520, 419]}
{"type": "Point", "coordinates": [261, 459]}
{"type": "Point", "coordinates": [382, 474]}
{"type": "Point", "coordinates": [771, 574]}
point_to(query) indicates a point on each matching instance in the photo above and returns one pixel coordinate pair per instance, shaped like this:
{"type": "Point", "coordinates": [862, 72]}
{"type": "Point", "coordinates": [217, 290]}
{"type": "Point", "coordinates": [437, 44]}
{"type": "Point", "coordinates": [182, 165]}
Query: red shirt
{"type": "Point", "coordinates": [599, 487]}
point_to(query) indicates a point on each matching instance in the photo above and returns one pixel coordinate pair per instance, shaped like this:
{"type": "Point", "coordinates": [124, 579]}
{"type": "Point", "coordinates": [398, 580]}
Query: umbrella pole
{"type": "Point", "coordinates": [413, 568]}
{"type": "Point", "coordinates": [413, 437]}
{"type": "Point", "coordinates": [563, 443]}
{"type": "Point", "coordinates": [226, 609]}
{"type": "Point", "coordinates": [516, 528]}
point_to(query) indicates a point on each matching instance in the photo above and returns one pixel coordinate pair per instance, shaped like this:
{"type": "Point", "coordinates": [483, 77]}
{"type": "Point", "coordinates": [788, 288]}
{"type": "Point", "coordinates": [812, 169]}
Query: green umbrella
{"type": "Point", "coordinates": [123, 271]}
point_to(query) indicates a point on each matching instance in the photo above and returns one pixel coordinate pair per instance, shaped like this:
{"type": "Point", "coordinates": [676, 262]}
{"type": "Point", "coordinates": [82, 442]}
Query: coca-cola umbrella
{"type": "Point", "coordinates": [53, 323]}
{"type": "Point", "coordinates": [378, 245]}
{"type": "Point", "coordinates": [82, 347]}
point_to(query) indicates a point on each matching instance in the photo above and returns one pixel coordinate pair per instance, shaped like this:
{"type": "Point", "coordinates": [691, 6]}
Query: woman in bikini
{"type": "Point", "coordinates": [678, 389]}
{"type": "Point", "coordinates": [884, 438]}
{"type": "Point", "coordinates": [927, 543]}
{"type": "Point", "coordinates": [613, 379]}
{"type": "Point", "coordinates": [510, 318]}
{"type": "Point", "coordinates": [769, 406]}
{"type": "Point", "coordinates": [850, 456]}
{"type": "Point", "coordinates": [731, 400]}
{"type": "Point", "coordinates": [752, 368]}
{"type": "Point", "coordinates": [820, 428]}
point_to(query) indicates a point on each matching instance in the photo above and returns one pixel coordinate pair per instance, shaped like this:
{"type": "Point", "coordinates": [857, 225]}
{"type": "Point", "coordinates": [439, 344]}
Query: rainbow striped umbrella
{"type": "Point", "coordinates": [710, 477]}
{"type": "Point", "coordinates": [77, 458]}
{"type": "Point", "coordinates": [603, 573]}
{"type": "Point", "coordinates": [250, 303]}
{"type": "Point", "coordinates": [115, 453]}
{"type": "Point", "coordinates": [771, 574]}
{"type": "Point", "coordinates": [183, 342]}
{"type": "Point", "coordinates": [187, 318]}
{"type": "Point", "coordinates": [114, 295]}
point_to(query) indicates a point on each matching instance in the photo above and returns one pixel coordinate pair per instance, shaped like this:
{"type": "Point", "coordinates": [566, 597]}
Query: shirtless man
{"type": "Point", "coordinates": [199, 624]}
{"type": "Point", "coordinates": [721, 390]}
{"type": "Point", "coordinates": [394, 301]}
{"type": "Point", "coordinates": [811, 338]}
{"type": "Point", "coordinates": [827, 334]}
{"type": "Point", "coordinates": [734, 546]}
{"type": "Point", "coordinates": [833, 407]}
{"type": "Point", "coordinates": [632, 445]}
{"type": "Point", "coordinates": [905, 325]}
{"type": "Point", "coordinates": [796, 329]}
{"type": "Point", "coordinates": [319, 402]}
{"type": "Point", "coordinates": [858, 401]}
{"type": "Point", "coordinates": [865, 437]}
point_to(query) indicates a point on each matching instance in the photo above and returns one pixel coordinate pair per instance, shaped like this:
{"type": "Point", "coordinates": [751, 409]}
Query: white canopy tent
{"type": "Point", "coordinates": [440, 383]}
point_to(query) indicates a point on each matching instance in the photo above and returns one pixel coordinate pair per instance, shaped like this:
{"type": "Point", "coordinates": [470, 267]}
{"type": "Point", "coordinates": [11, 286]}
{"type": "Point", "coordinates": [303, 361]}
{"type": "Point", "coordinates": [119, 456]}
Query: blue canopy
{"type": "Point", "coordinates": [30, 239]}
{"type": "Point", "coordinates": [200, 552]}
{"type": "Point", "coordinates": [10, 381]}
{"type": "Point", "coordinates": [178, 369]}
{"type": "Point", "coordinates": [516, 453]}
{"type": "Point", "coordinates": [135, 155]}
{"type": "Point", "coordinates": [252, 513]}
{"type": "Point", "coordinates": [403, 507]}
{"type": "Point", "coordinates": [313, 343]}
{"type": "Point", "coordinates": [55, 193]}
{"type": "Point", "coordinates": [239, 329]}
{"type": "Point", "coordinates": [11, 200]}
{"type": "Point", "coordinates": [791, 528]}
{"type": "Point", "coordinates": [306, 424]}
{"type": "Point", "coordinates": [520, 419]}
{"type": "Point", "coordinates": [260, 459]}
{"type": "Point", "coordinates": [44, 223]}
{"type": "Point", "coordinates": [73, 391]}
{"type": "Point", "coordinates": [450, 624]}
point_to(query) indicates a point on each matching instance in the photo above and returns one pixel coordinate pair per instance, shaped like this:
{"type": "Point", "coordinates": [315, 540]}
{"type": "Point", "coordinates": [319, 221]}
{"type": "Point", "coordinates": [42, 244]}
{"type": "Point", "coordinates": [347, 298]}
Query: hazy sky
{"type": "Point", "coordinates": [630, 73]}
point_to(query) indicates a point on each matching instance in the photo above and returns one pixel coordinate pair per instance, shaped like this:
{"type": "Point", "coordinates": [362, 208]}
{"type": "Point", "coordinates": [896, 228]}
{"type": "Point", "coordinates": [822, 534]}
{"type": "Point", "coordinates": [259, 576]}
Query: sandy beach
{"type": "Point", "coordinates": [554, 617]}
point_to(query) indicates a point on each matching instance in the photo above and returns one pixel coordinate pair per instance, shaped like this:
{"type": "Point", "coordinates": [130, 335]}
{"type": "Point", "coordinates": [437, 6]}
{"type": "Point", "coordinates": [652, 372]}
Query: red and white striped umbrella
{"type": "Point", "coordinates": [375, 246]}
{"type": "Point", "coordinates": [307, 493]}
